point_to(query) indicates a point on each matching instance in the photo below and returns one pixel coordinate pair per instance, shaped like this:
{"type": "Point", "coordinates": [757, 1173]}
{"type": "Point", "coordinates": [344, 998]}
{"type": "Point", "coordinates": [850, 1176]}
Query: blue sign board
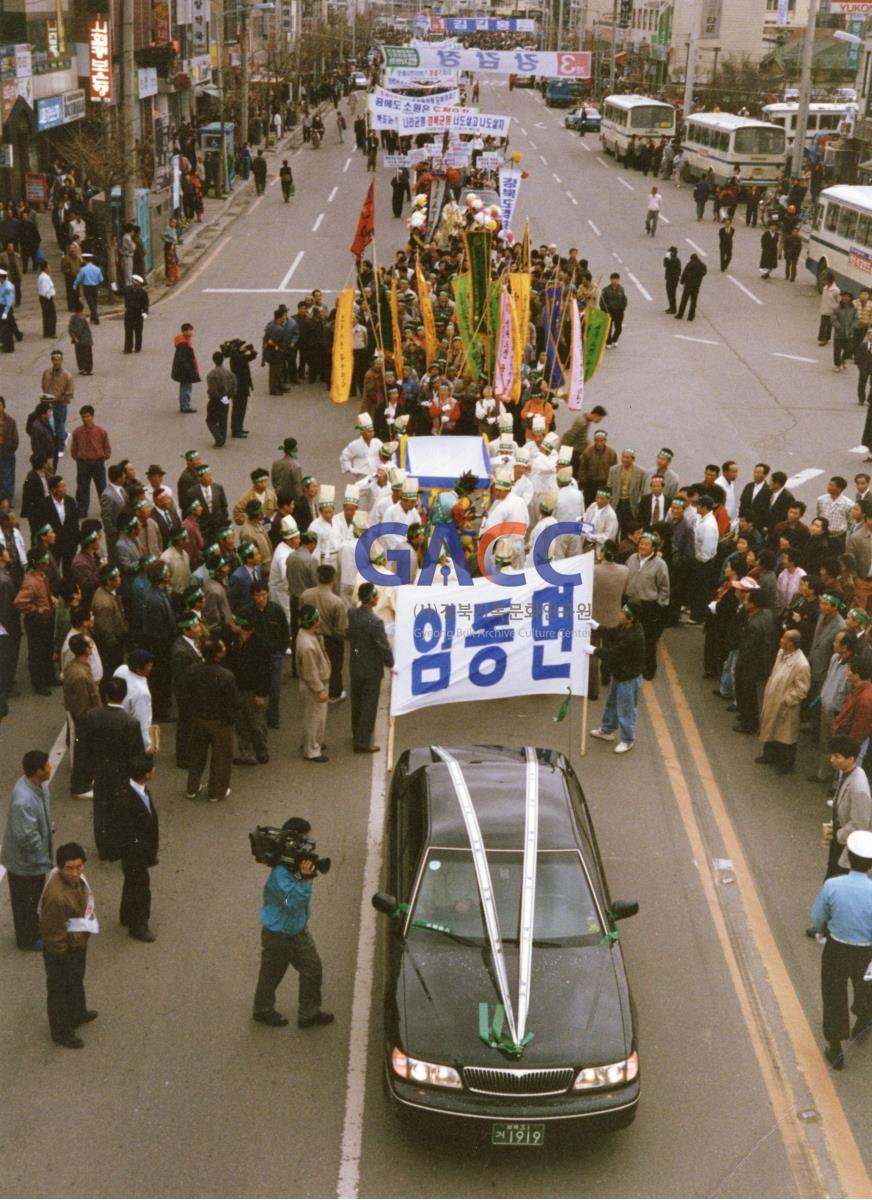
{"type": "Point", "coordinates": [49, 113]}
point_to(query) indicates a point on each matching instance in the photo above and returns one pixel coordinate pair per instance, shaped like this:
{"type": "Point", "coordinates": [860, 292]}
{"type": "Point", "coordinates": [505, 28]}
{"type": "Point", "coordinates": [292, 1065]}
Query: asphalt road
{"type": "Point", "coordinates": [178, 1092]}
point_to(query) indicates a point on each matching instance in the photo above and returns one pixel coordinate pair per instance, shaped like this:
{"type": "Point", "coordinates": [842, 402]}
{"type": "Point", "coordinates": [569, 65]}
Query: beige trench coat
{"type": "Point", "coordinates": [786, 687]}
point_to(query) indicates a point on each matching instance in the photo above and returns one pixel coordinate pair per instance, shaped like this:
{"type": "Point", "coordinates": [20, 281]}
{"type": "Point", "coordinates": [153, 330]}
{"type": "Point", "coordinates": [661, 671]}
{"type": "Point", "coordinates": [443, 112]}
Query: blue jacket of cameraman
{"type": "Point", "coordinates": [286, 902]}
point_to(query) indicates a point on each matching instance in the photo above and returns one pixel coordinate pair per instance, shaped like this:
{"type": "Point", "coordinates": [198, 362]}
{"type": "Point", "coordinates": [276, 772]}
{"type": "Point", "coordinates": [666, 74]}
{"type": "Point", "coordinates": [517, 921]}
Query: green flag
{"type": "Point", "coordinates": [596, 330]}
{"type": "Point", "coordinates": [564, 707]}
{"type": "Point", "coordinates": [465, 325]}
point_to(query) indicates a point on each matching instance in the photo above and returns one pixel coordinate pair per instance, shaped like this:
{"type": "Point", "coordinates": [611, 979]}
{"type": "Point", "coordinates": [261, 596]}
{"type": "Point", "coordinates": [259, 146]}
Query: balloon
{"type": "Point", "coordinates": [471, 199]}
{"type": "Point", "coordinates": [479, 218]}
{"type": "Point", "coordinates": [509, 236]}
{"type": "Point", "coordinates": [490, 224]}
{"type": "Point", "coordinates": [516, 156]}
{"type": "Point", "coordinates": [420, 201]}
{"type": "Point", "coordinates": [478, 204]}
{"type": "Point", "coordinates": [417, 220]}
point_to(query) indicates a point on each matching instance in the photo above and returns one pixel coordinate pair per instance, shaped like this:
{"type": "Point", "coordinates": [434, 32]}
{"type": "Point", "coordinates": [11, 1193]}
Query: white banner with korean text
{"type": "Point", "coordinates": [488, 641]}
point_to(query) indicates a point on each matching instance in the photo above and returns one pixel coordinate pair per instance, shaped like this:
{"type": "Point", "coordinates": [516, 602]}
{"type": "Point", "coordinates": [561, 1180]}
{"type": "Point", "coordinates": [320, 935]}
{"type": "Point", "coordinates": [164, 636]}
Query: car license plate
{"type": "Point", "coordinates": [518, 1133]}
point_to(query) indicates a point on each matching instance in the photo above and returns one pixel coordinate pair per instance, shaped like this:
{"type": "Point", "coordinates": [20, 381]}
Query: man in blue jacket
{"type": "Point", "coordinates": [286, 942]}
{"type": "Point", "coordinates": [26, 852]}
{"type": "Point", "coordinates": [89, 279]}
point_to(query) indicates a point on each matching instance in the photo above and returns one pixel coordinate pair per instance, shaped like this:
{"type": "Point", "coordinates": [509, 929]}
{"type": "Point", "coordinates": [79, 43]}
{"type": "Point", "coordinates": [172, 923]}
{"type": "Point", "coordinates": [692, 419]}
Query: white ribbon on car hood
{"type": "Point", "coordinates": [517, 1036]}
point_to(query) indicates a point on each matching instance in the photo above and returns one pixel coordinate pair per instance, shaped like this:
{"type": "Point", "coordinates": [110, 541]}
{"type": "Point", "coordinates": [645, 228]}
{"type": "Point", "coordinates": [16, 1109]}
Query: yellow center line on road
{"type": "Point", "coordinates": [843, 1152]}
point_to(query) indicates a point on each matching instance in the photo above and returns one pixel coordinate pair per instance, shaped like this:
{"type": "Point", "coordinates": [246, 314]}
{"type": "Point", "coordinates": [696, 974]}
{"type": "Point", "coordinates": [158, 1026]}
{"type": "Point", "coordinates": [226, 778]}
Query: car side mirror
{"type": "Point", "coordinates": [384, 903]}
{"type": "Point", "coordinates": [624, 908]}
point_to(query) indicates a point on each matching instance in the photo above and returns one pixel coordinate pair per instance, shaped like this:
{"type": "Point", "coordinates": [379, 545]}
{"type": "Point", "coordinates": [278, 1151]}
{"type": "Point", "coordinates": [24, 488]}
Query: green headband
{"type": "Point", "coordinates": [860, 616]}
{"type": "Point", "coordinates": [831, 598]}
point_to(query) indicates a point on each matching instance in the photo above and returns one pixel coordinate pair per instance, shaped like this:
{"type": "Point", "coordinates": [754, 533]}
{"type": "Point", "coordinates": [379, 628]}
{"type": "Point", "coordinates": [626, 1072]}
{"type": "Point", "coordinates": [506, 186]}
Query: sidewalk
{"type": "Point", "coordinates": [195, 243]}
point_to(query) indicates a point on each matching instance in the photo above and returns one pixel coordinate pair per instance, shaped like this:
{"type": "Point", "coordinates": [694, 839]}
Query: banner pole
{"type": "Point", "coordinates": [389, 749]}
{"type": "Point", "coordinates": [583, 747]}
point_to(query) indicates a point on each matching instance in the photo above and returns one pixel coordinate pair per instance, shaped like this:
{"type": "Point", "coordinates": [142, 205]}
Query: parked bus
{"type": "Point", "coordinates": [729, 145]}
{"type": "Point", "coordinates": [840, 237]}
{"type": "Point", "coordinates": [641, 117]}
{"type": "Point", "coordinates": [828, 119]}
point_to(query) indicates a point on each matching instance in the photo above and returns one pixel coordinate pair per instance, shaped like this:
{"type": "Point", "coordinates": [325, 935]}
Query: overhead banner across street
{"type": "Point", "coordinates": [559, 64]}
{"type": "Point", "coordinates": [489, 641]}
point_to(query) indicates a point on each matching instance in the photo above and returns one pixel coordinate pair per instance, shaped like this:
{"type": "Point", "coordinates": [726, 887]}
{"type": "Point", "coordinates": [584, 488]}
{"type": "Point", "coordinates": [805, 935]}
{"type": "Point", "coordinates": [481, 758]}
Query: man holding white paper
{"type": "Point", "coordinates": [66, 921]}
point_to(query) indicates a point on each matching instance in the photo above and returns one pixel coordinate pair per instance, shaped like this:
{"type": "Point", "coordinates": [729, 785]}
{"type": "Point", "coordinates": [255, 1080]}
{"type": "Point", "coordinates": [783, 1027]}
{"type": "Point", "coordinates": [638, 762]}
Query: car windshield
{"type": "Point", "coordinates": [565, 912]}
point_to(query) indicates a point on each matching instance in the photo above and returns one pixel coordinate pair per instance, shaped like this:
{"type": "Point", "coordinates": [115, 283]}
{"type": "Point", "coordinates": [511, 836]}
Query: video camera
{"type": "Point", "coordinates": [274, 847]}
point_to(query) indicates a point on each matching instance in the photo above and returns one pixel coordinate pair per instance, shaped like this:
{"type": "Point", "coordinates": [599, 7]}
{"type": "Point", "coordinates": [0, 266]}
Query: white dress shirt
{"type": "Point", "coordinates": [137, 702]}
{"type": "Point", "coordinates": [705, 538]}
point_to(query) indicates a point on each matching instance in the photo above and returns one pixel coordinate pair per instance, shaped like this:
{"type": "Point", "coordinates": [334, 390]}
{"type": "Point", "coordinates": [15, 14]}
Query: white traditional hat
{"type": "Point", "coordinates": [364, 421]}
{"type": "Point", "coordinates": [352, 494]}
{"type": "Point", "coordinates": [360, 520]}
{"type": "Point", "coordinates": [505, 423]}
{"type": "Point", "coordinates": [548, 502]}
{"type": "Point", "coordinates": [387, 450]}
{"type": "Point", "coordinates": [860, 843]}
{"type": "Point", "coordinates": [564, 456]}
{"type": "Point", "coordinates": [522, 456]}
{"type": "Point", "coordinates": [538, 423]}
{"type": "Point", "coordinates": [401, 422]}
{"type": "Point", "coordinates": [551, 441]}
{"type": "Point", "coordinates": [564, 476]}
{"type": "Point", "coordinates": [396, 476]}
{"type": "Point", "coordinates": [289, 527]}
{"type": "Point", "coordinates": [326, 496]}
{"type": "Point", "coordinates": [504, 477]}
{"type": "Point", "coordinates": [506, 445]}
{"type": "Point", "coordinates": [410, 488]}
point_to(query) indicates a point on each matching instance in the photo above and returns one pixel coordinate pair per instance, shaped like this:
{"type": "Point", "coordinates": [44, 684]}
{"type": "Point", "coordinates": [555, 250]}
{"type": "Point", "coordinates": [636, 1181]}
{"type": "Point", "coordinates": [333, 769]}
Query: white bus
{"type": "Point", "coordinates": [724, 143]}
{"type": "Point", "coordinates": [827, 119]}
{"type": "Point", "coordinates": [840, 237]}
{"type": "Point", "coordinates": [641, 117]}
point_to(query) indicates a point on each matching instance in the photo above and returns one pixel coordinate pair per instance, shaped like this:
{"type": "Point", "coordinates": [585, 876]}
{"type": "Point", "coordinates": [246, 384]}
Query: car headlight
{"type": "Point", "coordinates": [611, 1075]}
{"type": "Point", "coordinates": [429, 1074]}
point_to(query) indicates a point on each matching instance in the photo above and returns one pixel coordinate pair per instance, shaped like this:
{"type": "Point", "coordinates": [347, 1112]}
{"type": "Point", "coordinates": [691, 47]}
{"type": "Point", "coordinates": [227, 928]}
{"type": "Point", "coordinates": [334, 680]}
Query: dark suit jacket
{"type": "Point", "coordinates": [33, 492]}
{"type": "Point", "coordinates": [67, 543]}
{"type": "Point", "coordinates": [182, 658]}
{"type": "Point", "coordinates": [645, 509]}
{"type": "Point", "coordinates": [370, 649]}
{"type": "Point", "coordinates": [757, 510]}
{"type": "Point", "coordinates": [216, 514]}
{"type": "Point", "coordinates": [777, 509]}
{"type": "Point", "coordinates": [305, 512]}
{"type": "Point", "coordinates": [110, 739]}
{"type": "Point", "coordinates": [134, 832]}
{"type": "Point", "coordinates": [167, 521]}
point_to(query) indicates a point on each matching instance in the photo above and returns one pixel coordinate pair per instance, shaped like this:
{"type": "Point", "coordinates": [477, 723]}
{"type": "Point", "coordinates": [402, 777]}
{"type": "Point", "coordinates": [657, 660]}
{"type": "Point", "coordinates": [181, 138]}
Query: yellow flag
{"type": "Point", "coordinates": [425, 307]}
{"type": "Point", "coordinates": [525, 248]}
{"type": "Point", "coordinates": [395, 330]}
{"type": "Point", "coordinates": [343, 353]}
{"type": "Point", "coordinates": [519, 282]}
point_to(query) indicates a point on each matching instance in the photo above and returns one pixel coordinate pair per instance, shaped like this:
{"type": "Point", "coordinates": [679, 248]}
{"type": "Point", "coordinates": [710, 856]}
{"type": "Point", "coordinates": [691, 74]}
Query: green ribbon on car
{"type": "Point", "coordinates": [400, 911]}
{"type": "Point", "coordinates": [611, 936]}
{"type": "Point", "coordinates": [491, 1032]}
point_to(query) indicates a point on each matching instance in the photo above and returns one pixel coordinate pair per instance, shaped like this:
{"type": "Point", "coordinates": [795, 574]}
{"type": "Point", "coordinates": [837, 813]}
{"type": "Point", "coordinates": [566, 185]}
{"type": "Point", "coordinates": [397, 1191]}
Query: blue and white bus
{"type": "Point", "coordinates": [840, 237]}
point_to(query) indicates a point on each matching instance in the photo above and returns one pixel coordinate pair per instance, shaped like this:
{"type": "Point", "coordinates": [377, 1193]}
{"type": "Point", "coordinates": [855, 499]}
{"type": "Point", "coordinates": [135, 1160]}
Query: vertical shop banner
{"type": "Point", "coordinates": [200, 13]}
{"type": "Point", "coordinates": [99, 60]}
{"type": "Point", "coordinates": [510, 183]}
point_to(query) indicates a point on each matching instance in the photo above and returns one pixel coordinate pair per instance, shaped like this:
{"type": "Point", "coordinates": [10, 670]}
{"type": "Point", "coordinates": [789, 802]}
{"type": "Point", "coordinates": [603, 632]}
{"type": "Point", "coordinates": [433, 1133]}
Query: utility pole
{"type": "Point", "coordinates": [128, 110]}
{"type": "Point", "coordinates": [244, 84]}
{"type": "Point", "coordinates": [559, 44]}
{"type": "Point", "coordinates": [690, 73]}
{"type": "Point", "coordinates": [613, 68]}
{"type": "Point", "coordinates": [222, 161]}
{"type": "Point", "coordinates": [804, 90]}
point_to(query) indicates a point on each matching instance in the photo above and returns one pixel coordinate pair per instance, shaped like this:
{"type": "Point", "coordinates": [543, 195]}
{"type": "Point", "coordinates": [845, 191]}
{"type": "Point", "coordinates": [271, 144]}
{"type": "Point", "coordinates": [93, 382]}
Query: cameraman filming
{"type": "Point", "coordinates": [285, 939]}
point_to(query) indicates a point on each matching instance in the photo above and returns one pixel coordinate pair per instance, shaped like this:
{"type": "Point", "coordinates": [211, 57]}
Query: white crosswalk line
{"type": "Point", "coordinates": [747, 291]}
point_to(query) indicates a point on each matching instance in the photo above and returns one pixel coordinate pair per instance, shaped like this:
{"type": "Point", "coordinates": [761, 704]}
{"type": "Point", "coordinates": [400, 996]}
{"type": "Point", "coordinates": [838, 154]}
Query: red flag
{"type": "Point", "coordinates": [365, 224]}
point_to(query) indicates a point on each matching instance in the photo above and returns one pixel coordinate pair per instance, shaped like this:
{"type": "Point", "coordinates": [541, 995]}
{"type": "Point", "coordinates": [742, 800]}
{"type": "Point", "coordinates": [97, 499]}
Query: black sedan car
{"type": "Point", "coordinates": [442, 1058]}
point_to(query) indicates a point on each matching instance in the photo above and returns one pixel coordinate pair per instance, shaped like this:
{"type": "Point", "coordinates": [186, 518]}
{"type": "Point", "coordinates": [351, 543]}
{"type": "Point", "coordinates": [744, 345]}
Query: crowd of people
{"type": "Point", "coordinates": [174, 606]}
